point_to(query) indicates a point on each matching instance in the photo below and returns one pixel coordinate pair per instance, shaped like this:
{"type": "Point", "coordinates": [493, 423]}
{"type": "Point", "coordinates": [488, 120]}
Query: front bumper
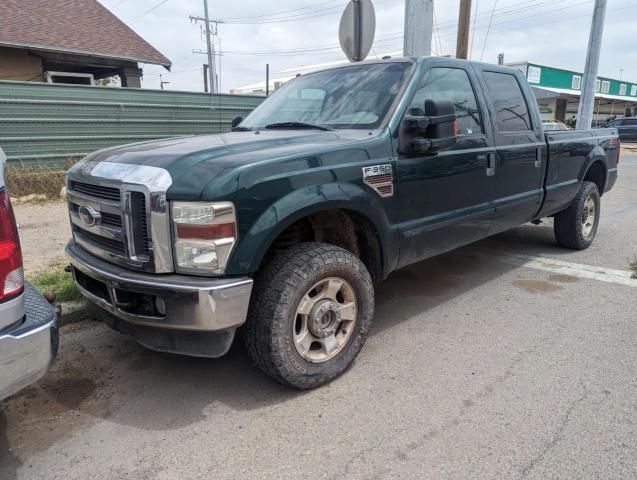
{"type": "Point", "coordinates": [176, 304]}
{"type": "Point", "coordinates": [28, 349]}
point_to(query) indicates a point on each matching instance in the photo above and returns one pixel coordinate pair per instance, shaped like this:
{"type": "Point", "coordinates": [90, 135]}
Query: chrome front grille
{"type": "Point", "coordinates": [140, 234]}
{"type": "Point", "coordinates": [115, 247]}
{"type": "Point", "coordinates": [107, 218]}
{"type": "Point", "coordinates": [97, 191]}
{"type": "Point", "coordinates": [111, 223]}
{"type": "Point", "coordinates": [132, 226]}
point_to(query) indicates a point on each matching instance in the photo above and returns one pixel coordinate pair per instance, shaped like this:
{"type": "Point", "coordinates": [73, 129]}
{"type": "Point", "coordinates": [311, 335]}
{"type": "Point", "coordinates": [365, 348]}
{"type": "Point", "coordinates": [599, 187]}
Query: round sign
{"type": "Point", "coordinates": [357, 29]}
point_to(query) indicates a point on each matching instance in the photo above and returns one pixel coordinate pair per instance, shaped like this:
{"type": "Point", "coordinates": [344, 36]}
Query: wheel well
{"type": "Point", "coordinates": [343, 228]}
{"type": "Point", "coordinates": [597, 174]}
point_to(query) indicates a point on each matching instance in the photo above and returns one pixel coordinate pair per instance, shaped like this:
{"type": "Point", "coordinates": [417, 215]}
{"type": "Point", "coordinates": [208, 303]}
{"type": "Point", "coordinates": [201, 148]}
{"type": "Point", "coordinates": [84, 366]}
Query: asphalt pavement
{"type": "Point", "coordinates": [510, 358]}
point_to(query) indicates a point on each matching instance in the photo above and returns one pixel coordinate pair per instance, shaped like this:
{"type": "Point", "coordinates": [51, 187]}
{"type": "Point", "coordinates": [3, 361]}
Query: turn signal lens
{"type": "Point", "coordinates": [205, 234]}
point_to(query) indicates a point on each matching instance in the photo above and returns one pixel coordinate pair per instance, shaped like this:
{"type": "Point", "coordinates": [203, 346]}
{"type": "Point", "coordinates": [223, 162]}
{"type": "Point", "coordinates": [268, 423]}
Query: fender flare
{"type": "Point", "coordinates": [596, 155]}
{"type": "Point", "coordinates": [252, 247]}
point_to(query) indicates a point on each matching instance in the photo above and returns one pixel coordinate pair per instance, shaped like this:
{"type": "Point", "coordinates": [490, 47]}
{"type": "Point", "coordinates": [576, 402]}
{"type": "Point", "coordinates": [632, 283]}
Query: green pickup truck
{"type": "Point", "coordinates": [281, 228]}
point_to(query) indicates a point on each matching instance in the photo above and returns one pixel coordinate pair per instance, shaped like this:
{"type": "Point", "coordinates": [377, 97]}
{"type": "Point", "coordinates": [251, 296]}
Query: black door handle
{"type": "Point", "coordinates": [538, 157]}
{"type": "Point", "coordinates": [490, 164]}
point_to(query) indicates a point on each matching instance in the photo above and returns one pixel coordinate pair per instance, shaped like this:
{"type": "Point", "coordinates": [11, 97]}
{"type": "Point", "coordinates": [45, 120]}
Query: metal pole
{"type": "Point", "coordinates": [357, 29]}
{"type": "Point", "coordinates": [267, 79]}
{"type": "Point", "coordinates": [205, 77]}
{"type": "Point", "coordinates": [464, 21]}
{"type": "Point", "coordinates": [587, 99]}
{"type": "Point", "coordinates": [500, 58]}
{"type": "Point", "coordinates": [419, 19]}
{"type": "Point", "coordinates": [211, 55]}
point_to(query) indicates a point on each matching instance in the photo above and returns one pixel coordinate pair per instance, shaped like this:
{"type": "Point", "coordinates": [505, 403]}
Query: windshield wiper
{"type": "Point", "coordinates": [299, 125]}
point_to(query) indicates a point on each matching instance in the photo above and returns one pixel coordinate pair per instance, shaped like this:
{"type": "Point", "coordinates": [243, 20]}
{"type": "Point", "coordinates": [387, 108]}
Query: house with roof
{"type": "Point", "coordinates": [70, 41]}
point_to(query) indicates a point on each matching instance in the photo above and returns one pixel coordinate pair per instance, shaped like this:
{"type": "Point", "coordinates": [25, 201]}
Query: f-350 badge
{"type": "Point", "coordinates": [380, 178]}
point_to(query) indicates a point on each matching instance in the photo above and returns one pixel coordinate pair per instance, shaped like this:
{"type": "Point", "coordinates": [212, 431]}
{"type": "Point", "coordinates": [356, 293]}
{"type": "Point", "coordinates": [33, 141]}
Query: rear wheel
{"type": "Point", "coordinates": [310, 313]}
{"type": "Point", "coordinates": [576, 226]}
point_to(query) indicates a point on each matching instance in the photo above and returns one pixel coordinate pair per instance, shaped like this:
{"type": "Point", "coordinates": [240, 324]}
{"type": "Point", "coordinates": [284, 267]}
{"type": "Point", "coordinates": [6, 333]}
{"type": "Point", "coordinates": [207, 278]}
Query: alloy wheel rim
{"type": "Point", "coordinates": [325, 320]}
{"type": "Point", "coordinates": [588, 216]}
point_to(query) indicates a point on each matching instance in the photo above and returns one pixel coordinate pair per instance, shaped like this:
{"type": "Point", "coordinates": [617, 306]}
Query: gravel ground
{"type": "Point", "coordinates": [44, 231]}
{"type": "Point", "coordinates": [476, 367]}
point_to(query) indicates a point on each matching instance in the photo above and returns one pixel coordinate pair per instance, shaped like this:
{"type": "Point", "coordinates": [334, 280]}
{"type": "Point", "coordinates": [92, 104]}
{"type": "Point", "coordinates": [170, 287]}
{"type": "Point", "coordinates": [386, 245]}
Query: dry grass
{"type": "Point", "coordinates": [633, 267]}
{"type": "Point", "coordinates": [23, 180]}
{"type": "Point", "coordinates": [55, 279]}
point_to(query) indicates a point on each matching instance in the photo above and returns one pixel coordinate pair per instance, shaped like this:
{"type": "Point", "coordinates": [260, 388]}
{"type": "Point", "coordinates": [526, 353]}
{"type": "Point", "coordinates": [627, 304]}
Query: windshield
{"type": "Point", "coordinates": [352, 97]}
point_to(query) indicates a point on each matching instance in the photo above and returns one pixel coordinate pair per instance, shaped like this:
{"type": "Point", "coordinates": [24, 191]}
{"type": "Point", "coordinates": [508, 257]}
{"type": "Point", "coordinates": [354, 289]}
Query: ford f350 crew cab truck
{"type": "Point", "coordinates": [283, 226]}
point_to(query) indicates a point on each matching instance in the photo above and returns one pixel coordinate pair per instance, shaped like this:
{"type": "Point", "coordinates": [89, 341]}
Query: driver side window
{"type": "Point", "coordinates": [451, 84]}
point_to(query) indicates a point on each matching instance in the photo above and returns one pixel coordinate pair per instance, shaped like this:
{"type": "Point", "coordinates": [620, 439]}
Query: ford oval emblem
{"type": "Point", "coordinates": [89, 215]}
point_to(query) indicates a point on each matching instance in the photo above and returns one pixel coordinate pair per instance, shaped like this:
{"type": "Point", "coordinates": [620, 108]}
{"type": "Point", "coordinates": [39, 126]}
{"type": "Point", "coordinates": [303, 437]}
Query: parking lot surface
{"type": "Point", "coordinates": [509, 358]}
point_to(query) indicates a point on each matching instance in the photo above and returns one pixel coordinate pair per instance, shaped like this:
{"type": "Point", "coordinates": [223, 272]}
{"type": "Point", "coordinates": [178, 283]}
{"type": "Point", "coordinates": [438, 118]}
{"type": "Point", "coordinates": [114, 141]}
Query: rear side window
{"type": "Point", "coordinates": [512, 112]}
{"type": "Point", "coordinates": [451, 84]}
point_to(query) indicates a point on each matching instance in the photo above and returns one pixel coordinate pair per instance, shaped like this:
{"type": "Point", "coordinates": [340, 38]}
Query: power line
{"type": "Point", "coordinates": [392, 38]}
{"type": "Point", "coordinates": [504, 11]}
{"type": "Point", "coordinates": [437, 32]}
{"type": "Point", "coordinates": [117, 4]}
{"type": "Point", "coordinates": [329, 11]}
{"type": "Point", "coordinates": [484, 45]}
{"type": "Point", "coordinates": [325, 12]}
{"type": "Point", "coordinates": [397, 36]}
{"type": "Point", "coordinates": [473, 31]}
{"type": "Point", "coordinates": [281, 12]}
{"type": "Point", "coordinates": [139, 17]}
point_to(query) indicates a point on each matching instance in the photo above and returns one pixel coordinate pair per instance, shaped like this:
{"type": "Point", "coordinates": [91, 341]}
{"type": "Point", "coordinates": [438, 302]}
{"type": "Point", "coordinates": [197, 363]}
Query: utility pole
{"type": "Point", "coordinates": [267, 79]}
{"type": "Point", "coordinates": [419, 19]}
{"type": "Point", "coordinates": [464, 21]}
{"type": "Point", "coordinates": [500, 58]}
{"type": "Point", "coordinates": [211, 54]}
{"type": "Point", "coordinates": [205, 77]}
{"type": "Point", "coordinates": [587, 99]}
{"type": "Point", "coordinates": [210, 50]}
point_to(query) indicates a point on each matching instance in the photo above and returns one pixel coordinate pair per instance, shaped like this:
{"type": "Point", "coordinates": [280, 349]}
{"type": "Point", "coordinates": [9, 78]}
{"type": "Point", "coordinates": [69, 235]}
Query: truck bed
{"type": "Point", "coordinates": [569, 155]}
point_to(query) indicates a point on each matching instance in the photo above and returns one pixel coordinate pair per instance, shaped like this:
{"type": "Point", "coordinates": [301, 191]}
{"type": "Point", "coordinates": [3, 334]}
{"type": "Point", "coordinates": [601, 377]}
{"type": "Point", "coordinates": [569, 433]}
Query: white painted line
{"type": "Point", "coordinates": [602, 274]}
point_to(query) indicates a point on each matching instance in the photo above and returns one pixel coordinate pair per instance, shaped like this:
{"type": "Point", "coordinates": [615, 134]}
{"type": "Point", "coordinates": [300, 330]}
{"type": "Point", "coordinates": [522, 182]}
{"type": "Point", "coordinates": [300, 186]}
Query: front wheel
{"type": "Point", "coordinates": [576, 226]}
{"type": "Point", "coordinates": [310, 313]}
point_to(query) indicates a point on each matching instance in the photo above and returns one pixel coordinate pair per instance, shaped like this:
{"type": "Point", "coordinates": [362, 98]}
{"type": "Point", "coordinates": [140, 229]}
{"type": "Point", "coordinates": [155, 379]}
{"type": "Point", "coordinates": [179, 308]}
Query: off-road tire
{"type": "Point", "coordinates": [277, 293]}
{"type": "Point", "coordinates": [568, 224]}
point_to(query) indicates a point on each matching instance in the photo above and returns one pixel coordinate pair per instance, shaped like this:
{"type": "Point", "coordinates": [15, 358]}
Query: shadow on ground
{"type": "Point", "coordinates": [101, 374]}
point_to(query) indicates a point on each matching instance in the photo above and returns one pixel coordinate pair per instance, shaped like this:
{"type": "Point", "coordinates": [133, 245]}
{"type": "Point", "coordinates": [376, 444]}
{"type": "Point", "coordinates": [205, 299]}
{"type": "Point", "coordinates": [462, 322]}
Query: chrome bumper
{"type": "Point", "coordinates": [162, 301]}
{"type": "Point", "coordinates": [28, 350]}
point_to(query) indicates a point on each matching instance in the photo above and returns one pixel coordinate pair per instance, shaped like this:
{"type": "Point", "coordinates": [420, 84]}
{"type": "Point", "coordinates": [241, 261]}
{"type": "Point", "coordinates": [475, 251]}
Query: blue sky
{"type": "Point", "coordinates": [291, 33]}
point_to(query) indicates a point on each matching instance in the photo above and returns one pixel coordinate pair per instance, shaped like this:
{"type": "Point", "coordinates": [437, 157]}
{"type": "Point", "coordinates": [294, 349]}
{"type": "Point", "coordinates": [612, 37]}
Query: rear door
{"type": "Point", "coordinates": [520, 148]}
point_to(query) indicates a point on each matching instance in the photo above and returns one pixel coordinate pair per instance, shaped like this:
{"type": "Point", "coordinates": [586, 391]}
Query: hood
{"type": "Point", "coordinates": [194, 162]}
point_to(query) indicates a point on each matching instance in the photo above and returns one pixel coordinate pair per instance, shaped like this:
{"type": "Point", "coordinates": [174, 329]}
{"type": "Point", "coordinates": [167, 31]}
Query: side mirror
{"type": "Point", "coordinates": [433, 131]}
{"type": "Point", "coordinates": [236, 121]}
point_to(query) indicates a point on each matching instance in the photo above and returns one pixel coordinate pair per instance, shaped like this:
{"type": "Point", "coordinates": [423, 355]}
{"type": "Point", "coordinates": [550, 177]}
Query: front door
{"type": "Point", "coordinates": [446, 198]}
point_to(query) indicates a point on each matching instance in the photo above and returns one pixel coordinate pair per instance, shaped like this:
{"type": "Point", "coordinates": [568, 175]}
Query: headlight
{"type": "Point", "coordinates": [204, 236]}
